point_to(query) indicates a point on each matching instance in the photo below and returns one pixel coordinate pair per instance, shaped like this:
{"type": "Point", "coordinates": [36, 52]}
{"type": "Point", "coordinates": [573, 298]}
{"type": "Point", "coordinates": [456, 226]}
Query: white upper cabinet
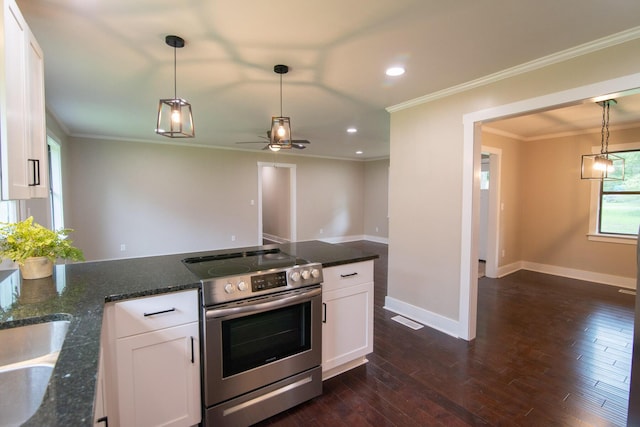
{"type": "Point", "coordinates": [23, 145]}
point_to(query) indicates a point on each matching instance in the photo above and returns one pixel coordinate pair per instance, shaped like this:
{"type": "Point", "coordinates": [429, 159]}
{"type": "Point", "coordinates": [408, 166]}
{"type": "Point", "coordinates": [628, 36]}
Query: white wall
{"type": "Point", "coordinates": [428, 163]}
{"type": "Point", "coordinates": [159, 198]}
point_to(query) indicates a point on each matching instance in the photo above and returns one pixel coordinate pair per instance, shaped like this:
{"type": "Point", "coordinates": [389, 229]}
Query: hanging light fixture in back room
{"type": "Point", "coordinates": [603, 166]}
{"type": "Point", "coordinates": [175, 119]}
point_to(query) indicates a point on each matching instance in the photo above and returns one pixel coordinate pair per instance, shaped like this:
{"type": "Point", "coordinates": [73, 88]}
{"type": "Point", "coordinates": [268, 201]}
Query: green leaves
{"type": "Point", "coordinates": [22, 240]}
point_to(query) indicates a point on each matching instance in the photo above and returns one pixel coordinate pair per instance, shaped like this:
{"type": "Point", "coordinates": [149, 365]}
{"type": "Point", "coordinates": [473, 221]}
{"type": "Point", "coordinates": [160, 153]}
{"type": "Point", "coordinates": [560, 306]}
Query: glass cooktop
{"type": "Point", "coordinates": [238, 263]}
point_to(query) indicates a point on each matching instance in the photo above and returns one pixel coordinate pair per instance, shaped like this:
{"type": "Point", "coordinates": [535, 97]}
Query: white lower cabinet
{"type": "Point", "coordinates": [347, 330]}
{"type": "Point", "coordinates": [153, 375]}
{"type": "Point", "coordinates": [159, 378]}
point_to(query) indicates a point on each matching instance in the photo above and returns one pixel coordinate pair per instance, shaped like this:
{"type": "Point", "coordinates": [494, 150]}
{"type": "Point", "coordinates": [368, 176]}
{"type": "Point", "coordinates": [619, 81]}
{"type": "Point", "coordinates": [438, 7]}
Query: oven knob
{"type": "Point", "coordinates": [315, 273]}
{"type": "Point", "coordinates": [229, 288]}
{"type": "Point", "coordinates": [295, 276]}
{"type": "Point", "coordinates": [242, 286]}
{"type": "Point", "coordinates": [305, 274]}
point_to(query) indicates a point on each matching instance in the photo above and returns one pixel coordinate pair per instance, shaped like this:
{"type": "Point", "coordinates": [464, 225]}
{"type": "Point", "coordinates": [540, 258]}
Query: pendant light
{"type": "Point", "coordinates": [175, 119]}
{"type": "Point", "coordinates": [603, 166]}
{"type": "Point", "coordinates": [280, 135]}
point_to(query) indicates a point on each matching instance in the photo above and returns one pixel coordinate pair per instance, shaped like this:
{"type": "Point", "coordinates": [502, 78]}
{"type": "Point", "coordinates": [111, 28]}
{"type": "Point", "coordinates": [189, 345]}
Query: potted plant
{"type": "Point", "coordinates": [35, 248]}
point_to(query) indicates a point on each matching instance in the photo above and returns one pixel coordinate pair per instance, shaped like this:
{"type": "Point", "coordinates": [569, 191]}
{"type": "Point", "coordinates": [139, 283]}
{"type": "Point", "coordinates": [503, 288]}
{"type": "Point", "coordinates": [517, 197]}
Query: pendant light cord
{"type": "Point", "coordinates": [280, 95]}
{"type": "Point", "coordinates": [175, 77]}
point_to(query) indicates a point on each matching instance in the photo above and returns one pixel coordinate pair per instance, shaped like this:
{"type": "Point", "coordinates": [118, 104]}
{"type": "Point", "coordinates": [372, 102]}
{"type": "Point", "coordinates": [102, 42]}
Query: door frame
{"type": "Point", "coordinates": [292, 197]}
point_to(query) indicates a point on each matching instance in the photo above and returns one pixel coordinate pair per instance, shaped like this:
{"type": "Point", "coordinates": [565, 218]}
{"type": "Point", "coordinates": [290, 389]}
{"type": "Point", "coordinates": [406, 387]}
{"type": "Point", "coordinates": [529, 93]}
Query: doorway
{"type": "Point", "coordinates": [471, 176]}
{"type": "Point", "coordinates": [276, 202]}
{"type": "Point", "coordinates": [490, 208]}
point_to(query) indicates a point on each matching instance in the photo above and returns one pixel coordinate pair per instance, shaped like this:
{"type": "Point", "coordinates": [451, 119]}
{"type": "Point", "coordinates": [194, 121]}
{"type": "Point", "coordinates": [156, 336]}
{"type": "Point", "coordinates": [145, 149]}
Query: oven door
{"type": "Point", "coordinates": [257, 342]}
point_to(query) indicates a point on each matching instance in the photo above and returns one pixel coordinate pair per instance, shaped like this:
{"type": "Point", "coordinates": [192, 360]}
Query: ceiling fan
{"type": "Point", "coordinates": [279, 136]}
{"type": "Point", "coordinates": [300, 144]}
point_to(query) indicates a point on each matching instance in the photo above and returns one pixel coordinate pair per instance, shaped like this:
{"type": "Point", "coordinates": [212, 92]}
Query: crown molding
{"type": "Point", "coordinates": [564, 55]}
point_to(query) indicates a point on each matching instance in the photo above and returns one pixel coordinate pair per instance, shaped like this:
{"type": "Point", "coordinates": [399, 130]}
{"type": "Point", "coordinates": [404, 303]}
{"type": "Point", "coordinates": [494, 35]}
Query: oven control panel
{"type": "Point", "coordinates": [263, 282]}
{"type": "Point", "coordinates": [231, 288]}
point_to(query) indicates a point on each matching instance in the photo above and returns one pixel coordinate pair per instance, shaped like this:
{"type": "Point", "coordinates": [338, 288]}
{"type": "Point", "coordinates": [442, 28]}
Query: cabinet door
{"type": "Point", "coordinates": [38, 158]}
{"type": "Point", "coordinates": [348, 329]}
{"type": "Point", "coordinates": [13, 104]}
{"type": "Point", "coordinates": [159, 377]}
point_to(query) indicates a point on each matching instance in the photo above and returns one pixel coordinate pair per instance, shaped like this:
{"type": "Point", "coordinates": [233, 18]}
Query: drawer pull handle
{"type": "Point", "coordinates": [103, 420]}
{"type": "Point", "coordinates": [159, 312]}
{"type": "Point", "coordinates": [192, 354]}
{"type": "Point", "coordinates": [348, 275]}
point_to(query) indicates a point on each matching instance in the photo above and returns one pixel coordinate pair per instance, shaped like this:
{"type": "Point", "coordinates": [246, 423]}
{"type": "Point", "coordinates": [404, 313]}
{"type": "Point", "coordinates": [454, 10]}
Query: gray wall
{"type": "Point", "coordinates": [160, 198]}
{"type": "Point", "coordinates": [376, 200]}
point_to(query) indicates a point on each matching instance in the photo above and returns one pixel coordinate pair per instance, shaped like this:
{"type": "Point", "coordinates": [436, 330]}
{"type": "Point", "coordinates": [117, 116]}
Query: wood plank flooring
{"type": "Point", "coordinates": [549, 351]}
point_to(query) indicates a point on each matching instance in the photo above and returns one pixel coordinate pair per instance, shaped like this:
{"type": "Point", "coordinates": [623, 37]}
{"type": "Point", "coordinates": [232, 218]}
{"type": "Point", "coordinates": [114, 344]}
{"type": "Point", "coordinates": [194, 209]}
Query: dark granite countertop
{"type": "Point", "coordinates": [80, 291]}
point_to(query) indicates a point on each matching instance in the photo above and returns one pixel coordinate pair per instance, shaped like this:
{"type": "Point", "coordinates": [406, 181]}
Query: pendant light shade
{"type": "Point", "coordinates": [280, 134]}
{"type": "Point", "coordinates": [175, 118]}
{"type": "Point", "coordinates": [603, 166]}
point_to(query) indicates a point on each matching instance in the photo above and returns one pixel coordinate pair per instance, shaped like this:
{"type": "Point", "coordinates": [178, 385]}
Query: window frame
{"type": "Point", "coordinates": [594, 233]}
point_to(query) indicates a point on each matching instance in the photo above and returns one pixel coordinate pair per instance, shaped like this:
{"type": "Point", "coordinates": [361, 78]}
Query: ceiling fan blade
{"type": "Point", "coordinates": [300, 141]}
{"type": "Point", "coordinates": [250, 142]}
{"type": "Point", "coordinates": [298, 146]}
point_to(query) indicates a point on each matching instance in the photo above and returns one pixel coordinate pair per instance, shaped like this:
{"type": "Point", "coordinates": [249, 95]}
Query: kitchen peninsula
{"type": "Point", "coordinates": [82, 290]}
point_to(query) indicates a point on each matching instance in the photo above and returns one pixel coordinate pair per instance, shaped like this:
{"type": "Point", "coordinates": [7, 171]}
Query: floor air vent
{"type": "Point", "coordinates": [406, 322]}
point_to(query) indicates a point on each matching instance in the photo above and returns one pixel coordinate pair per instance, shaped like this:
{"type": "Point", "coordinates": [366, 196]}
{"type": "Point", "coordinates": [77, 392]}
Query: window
{"type": "Point", "coordinates": [619, 211]}
{"type": "Point", "coordinates": [615, 205]}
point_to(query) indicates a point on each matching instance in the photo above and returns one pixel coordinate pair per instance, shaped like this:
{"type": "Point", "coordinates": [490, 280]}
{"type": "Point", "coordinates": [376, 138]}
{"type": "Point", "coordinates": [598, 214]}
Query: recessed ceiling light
{"type": "Point", "coordinates": [352, 130]}
{"type": "Point", "coordinates": [394, 71]}
{"type": "Point", "coordinates": [359, 152]}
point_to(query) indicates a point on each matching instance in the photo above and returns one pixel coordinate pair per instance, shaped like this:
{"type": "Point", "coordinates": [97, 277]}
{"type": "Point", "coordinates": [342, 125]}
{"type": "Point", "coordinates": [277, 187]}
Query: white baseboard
{"type": "Point", "coordinates": [426, 317]}
{"type": "Point", "coordinates": [589, 276]}
{"type": "Point", "coordinates": [355, 238]}
{"type": "Point", "coordinates": [276, 239]}
{"type": "Point", "coordinates": [509, 268]}
{"type": "Point", "coordinates": [342, 239]}
{"type": "Point", "coordinates": [376, 239]}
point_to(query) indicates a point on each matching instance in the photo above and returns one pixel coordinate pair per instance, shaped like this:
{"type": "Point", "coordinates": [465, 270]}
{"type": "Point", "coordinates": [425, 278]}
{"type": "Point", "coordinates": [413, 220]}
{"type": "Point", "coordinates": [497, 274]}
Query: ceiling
{"type": "Point", "coordinates": [107, 65]}
{"type": "Point", "coordinates": [575, 119]}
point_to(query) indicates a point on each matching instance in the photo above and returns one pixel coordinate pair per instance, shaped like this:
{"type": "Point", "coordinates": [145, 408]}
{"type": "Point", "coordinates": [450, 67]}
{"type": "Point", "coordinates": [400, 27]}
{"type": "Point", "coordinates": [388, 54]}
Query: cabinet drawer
{"type": "Point", "coordinates": [347, 275]}
{"type": "Point", "coordinates": [158, 312]}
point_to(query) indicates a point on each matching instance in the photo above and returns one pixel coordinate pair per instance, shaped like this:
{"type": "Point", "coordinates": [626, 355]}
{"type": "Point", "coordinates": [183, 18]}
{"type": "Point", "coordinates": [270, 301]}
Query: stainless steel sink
{"type": "Point", "coordinates": [32, 341]}
{"type": "Point", "coordinates": [27, 357]}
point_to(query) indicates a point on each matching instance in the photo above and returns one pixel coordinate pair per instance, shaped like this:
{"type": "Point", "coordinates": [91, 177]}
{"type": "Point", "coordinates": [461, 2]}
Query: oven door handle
{"type": "Point", "coordinates": [279, 302]}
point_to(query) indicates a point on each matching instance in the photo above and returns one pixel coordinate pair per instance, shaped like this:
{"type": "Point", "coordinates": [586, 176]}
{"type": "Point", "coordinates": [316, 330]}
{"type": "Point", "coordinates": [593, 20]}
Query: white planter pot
{"type": "Point", "coordinates": [36, 268]}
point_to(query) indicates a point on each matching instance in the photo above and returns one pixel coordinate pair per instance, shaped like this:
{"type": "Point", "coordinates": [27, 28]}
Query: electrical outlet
{"type": "Point", "coordinates": [321, 231]}
{"type": "Point", "coordinates": [377, 229]}
{"type": "Point", "coordinates": [123, 247]}
{"type": "Point", "coordinates": [503, 253]}
{"type": "Point", "coordinates": [233, 238]}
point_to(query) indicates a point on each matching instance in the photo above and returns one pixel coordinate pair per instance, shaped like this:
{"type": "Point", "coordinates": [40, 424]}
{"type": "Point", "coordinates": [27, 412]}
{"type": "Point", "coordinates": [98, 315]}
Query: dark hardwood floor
{"type": "Point", "coordinates": [549, 351]}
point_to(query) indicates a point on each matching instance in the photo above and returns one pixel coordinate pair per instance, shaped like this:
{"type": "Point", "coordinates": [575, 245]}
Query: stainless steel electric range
{"type": "Point", "coordinates": [261, 331]}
